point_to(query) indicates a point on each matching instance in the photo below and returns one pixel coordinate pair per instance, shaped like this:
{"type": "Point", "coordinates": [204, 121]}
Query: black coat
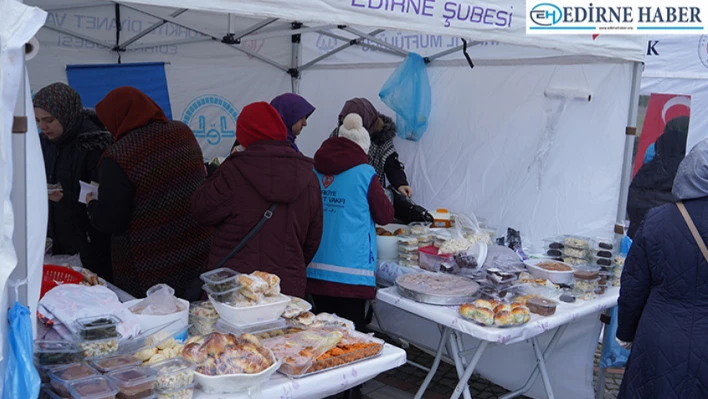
{"type": "Point", "coordinates": [663, 307]}
{"type": "Point", "coordinates": [652, 185]}
{"type": "Point", "coordinates": [73, 158]}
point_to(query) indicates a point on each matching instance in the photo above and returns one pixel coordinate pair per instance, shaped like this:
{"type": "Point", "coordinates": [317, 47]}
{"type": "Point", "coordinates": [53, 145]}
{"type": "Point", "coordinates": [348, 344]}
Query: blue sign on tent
{"type": "Point", "coordinates": [93, 82]}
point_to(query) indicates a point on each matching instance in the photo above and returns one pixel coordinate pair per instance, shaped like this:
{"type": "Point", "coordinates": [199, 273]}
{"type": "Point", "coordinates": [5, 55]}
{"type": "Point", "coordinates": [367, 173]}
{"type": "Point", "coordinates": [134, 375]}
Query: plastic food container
{"type": "Point", "coordinates": [407, 240]}
{"type": "Point", "coordinates": [586, 273]}
{"type": "Point", "coordinates": [442, 219]}
{"type": "Point", "coordinates": [577, 242]}
{"type": "Point", "coordinates": [431, 260]}
{"type": "Point", "coordinates": [408, 263]}
{"type": "Point", "coordinates": [133, 382]}
{"type": "Point", "coordinates": [221, 296]}
{"type": "Point", "coordinates": [407, 249]}
{"type": "Point", "coordinates": [574, 261]}
{"type": "Point", "coordinates": [557, 243]}
{"type": "Point", "coordinates": [220, 280]}
{"type": "Point", "coordinates": [587, 281]}
{"type": "Point", "coordinates": [48, 393]}
{"type": "Point", "coordinates": [534, 267]}
{"type": "Point", "coordinates": [61, 377]}
{"type": "Point", "coordinates": [602, 262]}
{"type": "Point", "coordinates": [419, 228]}
{"type": "Point", "coordinates": [98, 327]}
{"type": "Point", "coordinates": [44, 371]}
{"type": "Point", "coordinates": [179, 393]}
{"type": "Point", "coordinates": [603, 243]}
{"type": "Point", "coordinates": [173, 374]}
{"type": "Point", "coordinates": [51, 353]}
{"type": "Point", "coordinates": [248, 315]}
{"type": "Point", "coordinates": [224, 326]}
{"type": "Point", "coordinates": [575, 252]}
{"type": "Point", "coordinates": [541, 306]}
{"type": "Point", "coordinates": [202, 318]}
{"type": "Point", "coordinates": [98, 387]}
{"type": "Point", "coordinates": [603, 254]}
{"type": "Point", "coordinates": [112, 363]}
{"type": "Point", "coordinates": [555, 253]}
{"type": "Point", "coordinates": [93, 349]}
{"type": "Point", "coordinates": [155, 337]}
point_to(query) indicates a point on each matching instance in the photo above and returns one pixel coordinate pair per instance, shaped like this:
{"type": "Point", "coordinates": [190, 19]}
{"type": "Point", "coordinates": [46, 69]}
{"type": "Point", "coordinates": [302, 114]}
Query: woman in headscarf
{"type": "Point", "coordinates": [147, 180]}
{"type": "Point", "coordinates": [294, 110]}
{"type": "Point", "coordinates": [382, 154]}
{"type": "Point", "coordinates": [267, 171]}
{"type": "Point", "coordinates": [663, 303]}
{"type": "Point", "coordinates": [73, 140]}
{"type": "Point", "coordinates": [652, 185]}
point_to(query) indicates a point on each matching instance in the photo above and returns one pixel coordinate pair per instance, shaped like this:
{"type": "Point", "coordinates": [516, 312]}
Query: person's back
{"type": "Point", "coordinates": [663, 305]}
{"type": "Point", "coordinates": [245, 186]}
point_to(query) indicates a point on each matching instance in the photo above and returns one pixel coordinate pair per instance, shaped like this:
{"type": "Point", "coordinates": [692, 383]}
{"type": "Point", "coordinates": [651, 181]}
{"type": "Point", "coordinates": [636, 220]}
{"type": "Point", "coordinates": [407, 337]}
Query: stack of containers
{"type": "Point", "coordinates": [97, 336]}
{"type": "Point", "coordinates": [51, 354]}
{"type": "Point", "coordinates": [603, 254]}
{"type": "Point", "coordinates": [221, 284]}
{"type": "Point", "coordinates": [61, 378]}
{"type": "Point", "coordinates": [409, 245]}
{"type": "Point", "coordinates": [576, 250]}
{"type": "Point", "coordinates": [202, 318]}
{"type": "Point", "coordinates": [175, 378]}
{"type": "Point", "coordinates": [134, 382]}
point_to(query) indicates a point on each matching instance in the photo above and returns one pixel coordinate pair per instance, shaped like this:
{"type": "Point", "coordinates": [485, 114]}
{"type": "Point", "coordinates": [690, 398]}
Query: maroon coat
{"type": "Point", "coordinates": [338, 155]}
{"type": "Point", "coordinates": [235, 198]}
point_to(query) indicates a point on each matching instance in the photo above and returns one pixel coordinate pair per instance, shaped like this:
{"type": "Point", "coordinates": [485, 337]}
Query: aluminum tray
{"type": "Point", "coordinates": [444, 290]}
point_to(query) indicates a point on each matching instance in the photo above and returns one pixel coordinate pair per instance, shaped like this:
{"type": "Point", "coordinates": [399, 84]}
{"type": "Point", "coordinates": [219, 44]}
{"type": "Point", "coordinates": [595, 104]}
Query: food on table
{"type": "Point", "coordinates": [399, 232]}
{"type": "Point", "coordinates": [554, 266]}
{"type": "Point", "coordinates": [454, 245]}
{"type": "Point", "coordinates": [408, 250]}
{"type": "Point", "coordinates": [574, 261]}
{"type": "Point", "coordinates": [408, 240]}
{"type": "Point", "coordinates": [49, 353]}
{"type": "Point", "coordinates": [276, 333]}
{"type": "Point", "coordinates": [296, 307]}
{"type": "Point", "coordinates": [228, 296]}
{"type": "Point", "coordinates": [499, 277]}
{"type": "Point", "coordinates": [567, 298]}
{"type": "Point", "coordinates": [620, 260]}
{"type": "Point", "coordinates": [586, 274]}
{"type": "Point", "coordinates": [61, 377]}
{"type": "Point", "coordinates": [603, 262]}
{"type": "Point", "coordinates": [521, 315]}
{"type": "Point", "coordinates": [523, 299]}
{"type": "Point", "coordinates": [348, 350]}
{"type": "Point", "coordinates": [419, 228]}
{"type": "Point", "coordinates": [101, 327]}
{"type": "Point", "coordinates": [255, 289]}
{"type": "Point", "coordinates": [91, 349]}
{"type": "Point", "coordinates": [527, 278]}
{"type": "Point", "coordinates": [133, 382]}
{"type": "Point", "coordinates": [179, 393]}
{"type": "Point", "coordinates": [554, 252]}
{"type": "Point", "coordinates": [482, 303]}
{"type": "Point", "coordinates": [437, 284]}
{"type": "Point", "coordinates": [98, 387]}
{"type": "Point", "coordinates": [202, 318]}
{"type": "Point", "coordinates": [556, 245]}
{"type": "Point", "coordinates": [173, 374]}
{"type": "Point", "coordinates": [220, 280]}
{"type": "Point", "coordinates": [380, 231]}
{"type": "Point", "coordinates": [465, 260]}
{"type": "Point", "coordinates": [90, 278]}
{"type": "Point", "coordinates": [576, 242]}
{"type": "Point", "coordinates": [304, 320]}
{"type": "Point", "coordinates": [503, 315]}
{"type": "Point", "coordinates": [601, 289]}
{"type": "Point", "coordinates": [575, 252]}
{"type": "Point", "coordinates": [604, 254]}
{"type": "Point", "coordinates": [222, 354]}
{"type": "Point", "coordinates": [159, 346]}
{"type": "Point", "coordinates": [108, 364]}
{"type": "Point", "coordinates": [541, 306]}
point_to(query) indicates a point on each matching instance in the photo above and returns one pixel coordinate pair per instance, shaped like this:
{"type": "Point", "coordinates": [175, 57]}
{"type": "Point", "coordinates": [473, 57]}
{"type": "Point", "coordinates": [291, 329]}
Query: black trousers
{"type": "Point", "coordinates": [353, 309]}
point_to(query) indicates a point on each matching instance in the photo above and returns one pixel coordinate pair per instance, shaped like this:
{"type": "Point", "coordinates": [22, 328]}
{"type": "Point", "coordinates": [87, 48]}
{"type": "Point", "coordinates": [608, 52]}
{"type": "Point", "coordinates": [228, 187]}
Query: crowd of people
{"type": "Point", "coordinates": [158, 218]}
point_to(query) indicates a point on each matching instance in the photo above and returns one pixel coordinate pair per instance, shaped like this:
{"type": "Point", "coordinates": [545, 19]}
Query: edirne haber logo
{"type": "Point", "coordinates": [639, 17]}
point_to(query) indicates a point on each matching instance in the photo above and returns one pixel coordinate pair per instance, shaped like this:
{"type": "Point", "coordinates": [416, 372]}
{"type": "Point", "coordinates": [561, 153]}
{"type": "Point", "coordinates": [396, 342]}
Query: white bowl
{"type": "Point", "coordinates": [232, 383]}
{"type": "Point", "coordinates": [148, 322]}
{"type": "Point", "coordinates": [552, 276]}
{"type": "Point", "coordinates": [248, 315]}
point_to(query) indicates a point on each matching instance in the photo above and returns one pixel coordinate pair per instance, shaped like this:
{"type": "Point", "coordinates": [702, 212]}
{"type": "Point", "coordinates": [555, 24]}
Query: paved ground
{"type": "Point", "coordinates": [403, 382]}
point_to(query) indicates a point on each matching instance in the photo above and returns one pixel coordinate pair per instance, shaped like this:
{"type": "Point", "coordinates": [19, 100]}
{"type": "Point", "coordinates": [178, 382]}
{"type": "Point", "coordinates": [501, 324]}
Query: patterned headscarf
{"type": "Point", "coordinates": [64, 103]}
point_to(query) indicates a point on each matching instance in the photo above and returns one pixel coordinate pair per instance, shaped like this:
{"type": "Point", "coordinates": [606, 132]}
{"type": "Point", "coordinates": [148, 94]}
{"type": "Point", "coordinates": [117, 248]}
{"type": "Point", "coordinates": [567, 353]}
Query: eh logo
{"type": "Point", "coordinates": [212, 118]}
{"type": "Point", "coordinates": [546, 14]}
{"type": "Point", "coordinates": [327, 181]}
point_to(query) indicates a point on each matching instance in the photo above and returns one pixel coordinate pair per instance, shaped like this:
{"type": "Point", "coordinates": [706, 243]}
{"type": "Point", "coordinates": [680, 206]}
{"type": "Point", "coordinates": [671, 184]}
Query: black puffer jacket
{"type": "Point", "coordinates": [652, 185]}
{"type": "Point", "coordinates": [76, 158]}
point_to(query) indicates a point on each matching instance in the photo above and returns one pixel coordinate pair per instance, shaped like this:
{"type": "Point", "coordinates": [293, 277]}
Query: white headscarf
{"type": "Point", "coordinates": [692, 177]}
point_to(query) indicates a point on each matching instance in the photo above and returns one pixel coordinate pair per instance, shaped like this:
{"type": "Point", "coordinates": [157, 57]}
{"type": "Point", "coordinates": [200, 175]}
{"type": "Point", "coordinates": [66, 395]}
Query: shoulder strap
{"type": "Point", "coordinates": [694, 230]}
{"type": "Point", "coordinates": [266, 216]}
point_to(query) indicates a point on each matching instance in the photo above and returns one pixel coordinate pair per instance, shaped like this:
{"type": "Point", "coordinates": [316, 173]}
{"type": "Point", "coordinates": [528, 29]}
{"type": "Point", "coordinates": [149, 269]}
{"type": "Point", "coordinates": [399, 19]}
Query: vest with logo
{"type": "Point", "coordinates": [347, 253]}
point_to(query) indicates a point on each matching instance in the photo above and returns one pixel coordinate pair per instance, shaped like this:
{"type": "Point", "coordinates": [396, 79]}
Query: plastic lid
{"type": "Point", "coordinates": [45, 346]}
{"type": "Point", "coordinates": [217, 276]}
{"type": "Point", "coordinates": [442, 210]}
{"type": "Point", "coordinates": [94, 322]}
{"type": "Point", "coordinates": [154, 337]}
{"type": "Point", "coordinates": [131, 376]}
{"type": "Point", "coordinates": [93, 388]}
{"type": "Point", "coordinates": [161, 392]}
{"type": "Point", "coordinates": [226, 327]}
{"type": "Point", "coordinates": [210, 291]}
{"type": "Point", "coordinates": [108, 364]}
{"type": "Point", "coordinates": [71, 372]}
{"type": "Point", "coordinates": [173, 366]}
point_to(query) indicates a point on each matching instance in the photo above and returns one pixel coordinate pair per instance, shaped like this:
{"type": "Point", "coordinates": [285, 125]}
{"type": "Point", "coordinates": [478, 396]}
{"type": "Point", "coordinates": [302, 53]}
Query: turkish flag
{"type": "Point", "coordinates": [661, 109]}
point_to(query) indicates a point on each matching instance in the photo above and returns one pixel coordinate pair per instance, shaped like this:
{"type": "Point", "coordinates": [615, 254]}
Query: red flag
{"type": "Point", "coordinates": [661, 109]}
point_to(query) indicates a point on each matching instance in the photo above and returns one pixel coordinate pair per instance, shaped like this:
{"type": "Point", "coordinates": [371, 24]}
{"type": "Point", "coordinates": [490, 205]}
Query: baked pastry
{"type": "Point", "coordinates": [400, 232]}
{"type": "Point", "coordinates": [467, 310]}
{"type": "Point", "coordinates": [484, 316]}
{"type": "Point", "coordinates": [515, 305]}
{"type": "Point", "coordinates": [521, 315]}
{"type": "Point", "coordinates": [253, 283]}
{"type": "Point", "coordinates": [503, 318]}
{"type": "Point", "coordinates": [481, 303]}
{"type": "Point", "coordinates": [502, 308]}
{"type": "Point", "coordinates": [541, 306]}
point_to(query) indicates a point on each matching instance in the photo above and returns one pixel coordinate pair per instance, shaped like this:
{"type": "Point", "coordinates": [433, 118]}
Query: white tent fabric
{"type": "Point", "coordinates": [20, 23]}
{"type": "Point", "coordinates": [679, 65]}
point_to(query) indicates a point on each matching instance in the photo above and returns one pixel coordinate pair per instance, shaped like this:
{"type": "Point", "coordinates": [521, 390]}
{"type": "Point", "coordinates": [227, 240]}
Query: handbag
{"type": "Point", "coordinates": [408, 211]}
{"type": "Point", "coordinates": [694, 230]}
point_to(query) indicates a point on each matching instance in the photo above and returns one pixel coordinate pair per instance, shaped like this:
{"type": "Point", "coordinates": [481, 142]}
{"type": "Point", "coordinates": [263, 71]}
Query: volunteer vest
{"type": "Point", "coordinates": [347, 253]}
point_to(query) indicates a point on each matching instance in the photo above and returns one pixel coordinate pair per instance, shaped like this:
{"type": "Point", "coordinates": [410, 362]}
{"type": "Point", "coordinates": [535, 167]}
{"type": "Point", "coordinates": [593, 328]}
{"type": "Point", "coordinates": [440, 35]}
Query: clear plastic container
{"type": "Point", "coordinates": [173, 374]}
{"type": "Point", "coordinates": [585, 289]}
{"type": "Point", "coordinates": [425, 238]}
{"type": "Point", "coordinates": [228, 328]}
{"type": "Point", "coordinates": [408, 263]}
{"type": "Point", "coordinates": [97, 348]}
{"type": "Point", "coordinates": [112, 363]}
{"type": "Point", "coordinates": [557, 243]}
{"type": "Point", "coordinates": [220, 280]}
{"type": "Point", "coordinates": [575, 253]}
{"type": "Point", "coordinates": [431, 260]}
{"type": "Point", "coordinates": [133, 382]}
{"type": "Point", "coordinates": [555, 253]}
{"type": "Point", "coordinates": [410, 257]}
{"type": "Point", "coordinates": [202, 318]}
{"type": "Point", "coordinates": [61, 377]}
{"type": "Point", "coordinates": [48, 393]}
{"type": "Point", "coordinates": [229, 295]}
{"type": "Point", "coordinates": [407, 240]}
{"type": "Point", "coordinates": [98, 387]}
{"type": "Point", "coordinates": [602, 262]}
{"type": "Point", "coordinates": [541, 306]}
{"type": "Point", "coordinates": [44, 371]}
{"type": "Point", "coordinates": [603, 254]}
{"type": "Point", "coordinates": [419, 228]}
{"type": "Point", "coordinates": [98, 327]}
{"type": "Point", "coordinates": [586, 273]}
{"type": "Point", "coordinates": [51, 353]}
{"type": "Point", "coordinates": [154, 337]}
{"type": "Point", "coordinates": [578, 242]}
{"type": "Point", "coordinates": [603, 243]}
{"type": "Point", "coordinates": [574, 261]}
{"type": "Point", "coordinates": [179, 393]}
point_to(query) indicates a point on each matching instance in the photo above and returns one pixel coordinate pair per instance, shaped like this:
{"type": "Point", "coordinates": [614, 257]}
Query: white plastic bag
{"type": "Point", "coordinates": [160, 301]}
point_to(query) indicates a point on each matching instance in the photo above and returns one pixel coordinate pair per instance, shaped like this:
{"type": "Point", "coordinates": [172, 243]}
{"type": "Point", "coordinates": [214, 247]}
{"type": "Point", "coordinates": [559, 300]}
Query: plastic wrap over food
{"type": "Point", "coordinates": [299, 350]}
{"type": "Point", "coordinates": [161, 300]}
{"type": "Point", "coordinates": [388, 272]}
{"type": "Point", "coordinates": [503, 258]}
{"type": "Point", "coordinates": [224, 354]}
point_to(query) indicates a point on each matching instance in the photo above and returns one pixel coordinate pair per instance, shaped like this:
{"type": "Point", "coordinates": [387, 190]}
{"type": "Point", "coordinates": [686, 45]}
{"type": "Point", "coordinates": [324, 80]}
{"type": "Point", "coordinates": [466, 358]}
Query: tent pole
{"type": "Point", "coordinates": [360, 38]}
{"type": "Point", "coordinates": [338, 49]}
{"type": "Point", "coordinates": [375, 40]}
{"type": "Point", "coordinates": [19, 187]}
{"type": "Point", "coordinates": [294, 71]}
{"type": "Point", "coordinates": [630, 136]}
{"type": "Point", "coordinates": [451, 51]}
{"type": "Point", "coordinates": [149, 29]}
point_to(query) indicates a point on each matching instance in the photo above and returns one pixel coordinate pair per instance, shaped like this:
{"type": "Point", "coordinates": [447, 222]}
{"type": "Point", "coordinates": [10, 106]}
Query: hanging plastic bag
{"type": "Point", "coordinates": [160, 300]}
{"type": "Point", "coordinates": [613, 355]}
{"type": "Point", "coordinates": [21, 378]}
{"type": "Point", "coordinates": [407, 91]}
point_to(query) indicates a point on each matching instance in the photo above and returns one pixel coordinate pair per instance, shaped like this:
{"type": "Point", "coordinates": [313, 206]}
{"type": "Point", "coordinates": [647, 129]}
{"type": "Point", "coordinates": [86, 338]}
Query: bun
{"type": "Point", "coordinates": [399, 232]}
{"type": "Point", "coordinates": [352, 122]}
{"type": "Point", "coordinates": [481, 303]}
{"type": "Point", "coordinates": [502, 308]}
{"type": "Point", "coordinates": [484, 316]}
{"type": "Point", "coordinates": [521, 315]}
{"type": "Point", "coordinates": [467, 310]}
{"type": "Point", "coordinates": [503, 318]}
{"type": "Point", "coordinates": [495, 303]}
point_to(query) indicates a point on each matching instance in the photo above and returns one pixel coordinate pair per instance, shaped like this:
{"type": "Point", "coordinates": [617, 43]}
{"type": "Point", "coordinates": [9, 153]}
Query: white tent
{"type": "Point", "coordinates": [533, 137]}
{"type": "Point", "coordinates": [678, 64]}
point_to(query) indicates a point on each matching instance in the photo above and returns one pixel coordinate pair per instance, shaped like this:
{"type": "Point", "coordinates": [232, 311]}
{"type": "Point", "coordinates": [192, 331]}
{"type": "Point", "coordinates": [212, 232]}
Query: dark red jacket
{"type": "Point", "coordinates": [338, 155]}
{"type": "Point", "coordinates": [235, 198]}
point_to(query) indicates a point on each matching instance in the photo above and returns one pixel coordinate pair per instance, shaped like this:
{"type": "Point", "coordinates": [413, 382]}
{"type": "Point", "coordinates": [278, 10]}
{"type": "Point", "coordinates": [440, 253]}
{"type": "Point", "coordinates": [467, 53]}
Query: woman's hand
{"type": "Point", "coordinates": [56, 196]}
{"type": "Point", "coordinates": [89, 198]}
{"type": "Point", "coordinates": [406, 190]}
{"type": "Point", "coordinates": [625, 345]}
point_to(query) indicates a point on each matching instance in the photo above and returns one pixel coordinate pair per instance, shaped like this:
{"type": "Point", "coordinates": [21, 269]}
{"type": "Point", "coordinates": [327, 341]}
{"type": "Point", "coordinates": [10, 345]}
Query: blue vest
{"type": "Point", "coordinates": [347, 253]}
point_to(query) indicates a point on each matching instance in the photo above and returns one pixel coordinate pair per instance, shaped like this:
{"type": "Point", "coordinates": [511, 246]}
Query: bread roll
{"type": "Point", "coordinates": [400, 232]}
{"type": "Point", "coordinates": [467, 310]}
{"type": "Point", "coordinates": [521, 315]}
{"type": "Point", "coordinates": [502, 308]}
{"type": "Point", "coordinates": [484, 316]}
{"type": "Point", "coordinates": [503, 318]}
{"type": "Point", "coordinates": [481, 303]}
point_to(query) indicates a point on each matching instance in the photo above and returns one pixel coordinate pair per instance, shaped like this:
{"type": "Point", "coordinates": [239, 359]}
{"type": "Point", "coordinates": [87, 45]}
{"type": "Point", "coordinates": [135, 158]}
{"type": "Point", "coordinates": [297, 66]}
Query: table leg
{"type": "Point", "coordinates": [436, 363]}
{"type": "Point", "coordinates": [542, 366]}
{"type": "Point", "coordinates": [602, 372]}
{"type": "Point", "coordinates": [465, 378]}
{"type": "Point", "coordinates": [534, 375]}
{"type": "Point", "coordinates": [454, 353]}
